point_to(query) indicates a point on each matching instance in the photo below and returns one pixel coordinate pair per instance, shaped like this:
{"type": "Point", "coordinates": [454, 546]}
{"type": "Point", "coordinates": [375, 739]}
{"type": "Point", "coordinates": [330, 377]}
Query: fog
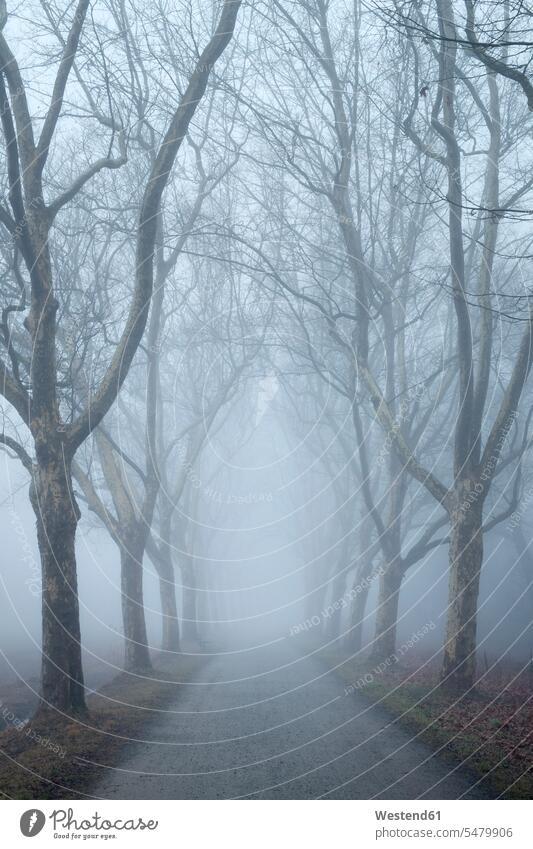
{"type": "Point", "coordinates": [266, 538]}
{"type": "Point", "coordinates": [265, 379]}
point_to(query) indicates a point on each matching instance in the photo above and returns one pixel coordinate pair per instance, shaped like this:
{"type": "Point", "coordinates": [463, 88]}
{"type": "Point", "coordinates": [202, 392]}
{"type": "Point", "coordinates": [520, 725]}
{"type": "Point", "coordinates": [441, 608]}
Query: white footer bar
{"type": "Point", "coordinates": [268, 824]}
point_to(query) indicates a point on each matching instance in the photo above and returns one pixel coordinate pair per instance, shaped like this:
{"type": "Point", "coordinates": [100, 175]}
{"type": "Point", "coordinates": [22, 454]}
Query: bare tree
{"type": "Point", "coordinates": [29, 221]}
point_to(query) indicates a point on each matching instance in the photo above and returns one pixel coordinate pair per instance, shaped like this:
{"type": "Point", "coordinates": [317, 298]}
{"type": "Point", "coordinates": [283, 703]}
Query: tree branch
{"type": "Point", "coordinates": [21, 452]}
{"type": "Point", "coordinates": [99, 403]}
{"type": "Point", "coordinates": [65, 66]}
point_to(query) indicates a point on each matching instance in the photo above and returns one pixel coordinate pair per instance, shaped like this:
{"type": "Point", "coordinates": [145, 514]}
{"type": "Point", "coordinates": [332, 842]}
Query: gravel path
{"type": "Point", "coordinates": [267, 725]}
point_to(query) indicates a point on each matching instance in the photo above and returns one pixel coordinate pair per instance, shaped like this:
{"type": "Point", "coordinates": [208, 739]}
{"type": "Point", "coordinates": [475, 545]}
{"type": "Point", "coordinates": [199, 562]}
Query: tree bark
{"type": "Point", "coordinates": [136, 651]}
{"type": "Point", "coordinates": [170, 630]}
{"type": "Point", "coordinates": [57, 515]}
{"type": "Point", "coordinates": [387, 612]}
{"type": "Point", "coordinates": [361, 588]}
{"type": "Point", "coordinates": [466, 559]}
{"type": "Point", "coordinates": [190, 619]}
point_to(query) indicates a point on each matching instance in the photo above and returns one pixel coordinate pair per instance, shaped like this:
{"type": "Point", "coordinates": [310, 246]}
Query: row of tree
{"type": "Point", "coordinates": [350, 211]}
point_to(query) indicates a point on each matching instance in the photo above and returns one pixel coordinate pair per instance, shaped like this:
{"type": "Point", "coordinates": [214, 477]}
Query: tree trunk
{"type": "Point", "coordinates": [362, 582]}
{"type": "Point", "coordinates": [334, 610]}
{"type": "Point", "coordinates": [387, 612]}
{"type": "Point", "coordinates": [190, 622]}
{"type": "Point", "coordinates": [57, 515]}
{"type": "Point", "coordinates": [170, 631]}
{"type": "Point", "coordinates": [466, 559]}
{"type": "Point", "coordinates": [315, 597]}
{"type": "Point", "coordinates": [355, 635]}
{"type": "Point", "coordinates": [136, 651]}
{"type": "Point", "coordinates": [525, 559]}
{"type": "Point", "coordinates": [361, 589]}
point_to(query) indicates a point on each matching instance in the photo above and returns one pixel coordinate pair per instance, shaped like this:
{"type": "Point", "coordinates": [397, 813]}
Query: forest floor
{"type": "Point", "coordinates": [41, 760]}
{"type": "Point", "coordinates": [491, 731]}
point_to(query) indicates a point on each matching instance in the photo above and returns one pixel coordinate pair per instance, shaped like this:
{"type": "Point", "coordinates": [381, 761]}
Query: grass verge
{"type": "Point", "coordinates": [490, 733]}
{"type": "Point", "coordinates": [48, 760]}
